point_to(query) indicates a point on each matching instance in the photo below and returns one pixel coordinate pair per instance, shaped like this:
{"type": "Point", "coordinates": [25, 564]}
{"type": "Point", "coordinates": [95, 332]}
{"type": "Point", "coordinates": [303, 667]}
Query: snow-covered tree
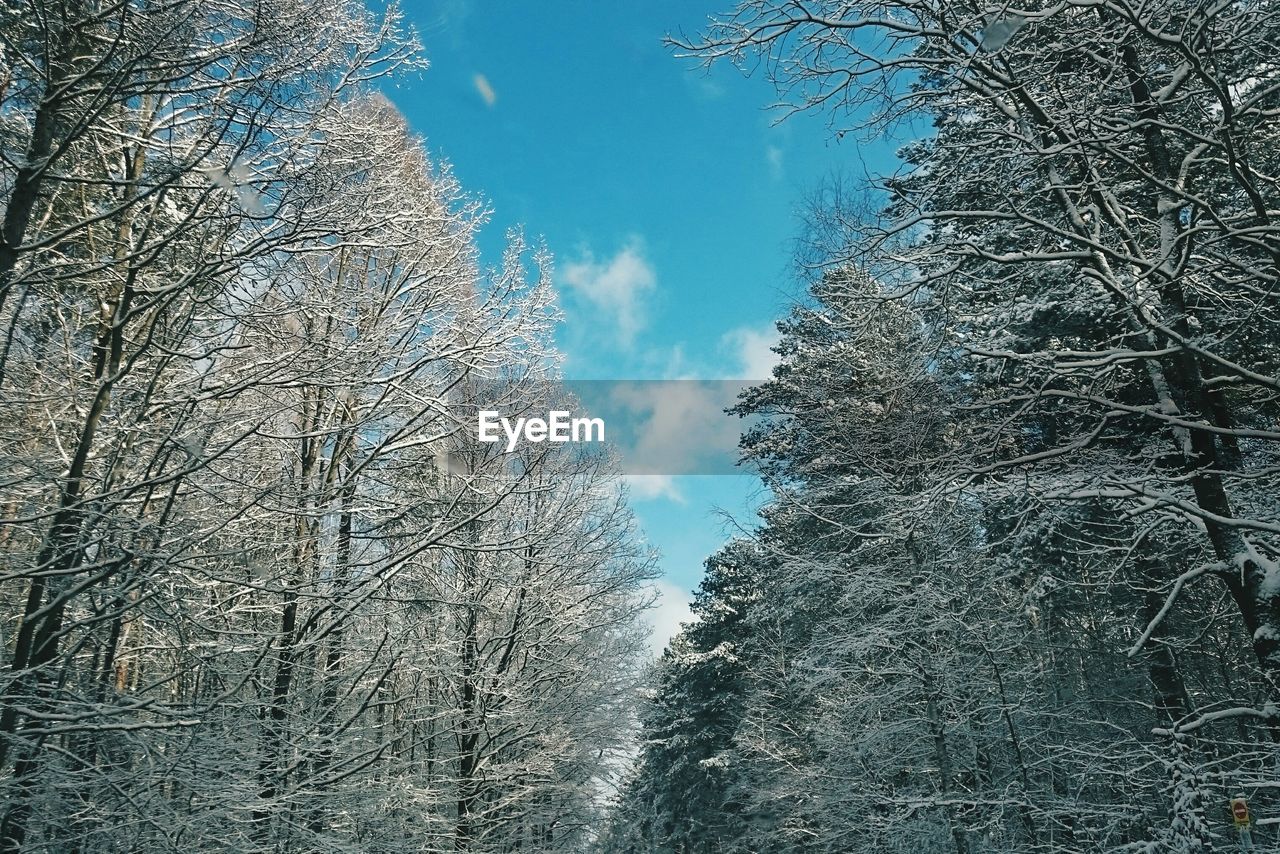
{"type": "Point", "coordinates": [1022, 424]}
{"type": "Point", "coordinates": [261, 590]}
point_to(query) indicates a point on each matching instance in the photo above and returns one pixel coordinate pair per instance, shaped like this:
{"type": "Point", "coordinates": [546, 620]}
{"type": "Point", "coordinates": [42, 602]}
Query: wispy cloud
{"type": "Point", "coordinates": [706, 84]}
{"type": "Point", "coordinates": [750, 351]}
{"type": "Point", "coordinates": [709, 89]}
{"type": "Point", "coordinates": [448, 18]}
{"type": "Point", "coordinates": [650, 487]}
{"type": "Point", "coordinates": [616, 286]}
{"type": "Point", "coordinates": [773, 157]}
{"type": "Point", "coordinates": [671, 427]}
{"type": "Point", "coordinates": [485, 89]}
{"type": "Point", "coordinates": [669, 613]}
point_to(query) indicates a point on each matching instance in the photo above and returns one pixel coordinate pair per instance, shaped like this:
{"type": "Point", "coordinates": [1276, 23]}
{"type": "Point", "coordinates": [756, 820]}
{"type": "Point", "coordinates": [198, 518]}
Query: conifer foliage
{"type": "Point", "coordinates": [1017, 588]}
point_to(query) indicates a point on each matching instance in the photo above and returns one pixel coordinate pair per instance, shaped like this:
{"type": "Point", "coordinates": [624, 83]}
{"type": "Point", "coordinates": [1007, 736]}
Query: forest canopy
{"type": "Point", "coordinates": [242, 318]}
{"type": "Point", "coordinates": [1017, 586]}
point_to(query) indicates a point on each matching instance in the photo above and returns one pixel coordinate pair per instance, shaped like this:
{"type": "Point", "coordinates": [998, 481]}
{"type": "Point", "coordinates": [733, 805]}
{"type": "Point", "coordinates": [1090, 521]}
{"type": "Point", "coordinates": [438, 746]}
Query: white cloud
{"type": "Point", "coordinates": [706, 84]}
{"type": "Point", "coordinates": [749, 348]}
{"type": "Point", "coordinates": [709, 89]}
{"type": "Point", "coordinates": [669, 612]}
{"type": "Point", "coordinates": [485, 89]}
{"type": "Point", "coordinates": [449, 20]}
{"type": "Point", "coordinates": [773, 156]}
{"type": "Point", "coordinates": [616, 286]}
{"type": "Point", "coordinates": [648, 487]}
{"type": "Point", "coordinates": [678, 427]}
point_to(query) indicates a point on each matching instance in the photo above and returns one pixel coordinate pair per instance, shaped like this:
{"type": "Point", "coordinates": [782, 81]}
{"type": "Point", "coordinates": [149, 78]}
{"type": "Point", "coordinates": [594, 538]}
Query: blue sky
{"type": "Point", "coordinates": [669, 196]}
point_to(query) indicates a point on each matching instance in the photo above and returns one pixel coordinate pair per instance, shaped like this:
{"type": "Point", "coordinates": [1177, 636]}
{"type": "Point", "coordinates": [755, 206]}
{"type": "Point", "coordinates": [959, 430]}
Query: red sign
{"type": "Point", "coordinates": [1240, 812]}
